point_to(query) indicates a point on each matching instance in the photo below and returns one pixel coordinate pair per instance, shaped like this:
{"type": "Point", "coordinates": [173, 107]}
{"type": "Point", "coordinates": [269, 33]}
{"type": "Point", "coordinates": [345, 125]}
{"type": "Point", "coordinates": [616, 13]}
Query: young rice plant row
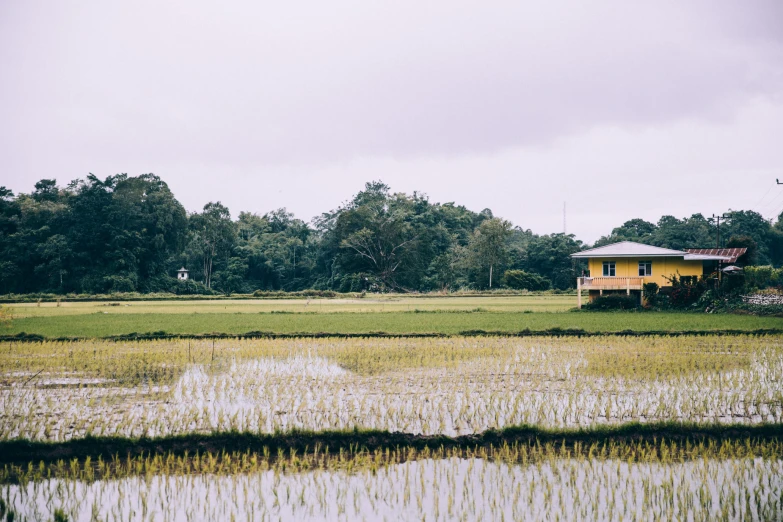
{"type": "Point", "coordinates": [57, 391]}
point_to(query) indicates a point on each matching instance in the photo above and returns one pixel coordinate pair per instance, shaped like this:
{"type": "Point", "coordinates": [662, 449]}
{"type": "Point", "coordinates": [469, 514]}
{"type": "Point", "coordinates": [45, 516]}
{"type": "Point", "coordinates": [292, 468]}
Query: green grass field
{"type": "Point", "coordinates": [392, 303]}
{"type": "Point", "coordinates": [396, 315]}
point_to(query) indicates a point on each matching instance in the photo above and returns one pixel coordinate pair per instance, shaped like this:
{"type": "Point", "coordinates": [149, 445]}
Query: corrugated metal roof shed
{"type": "Point", "coordinates": [731, 253]}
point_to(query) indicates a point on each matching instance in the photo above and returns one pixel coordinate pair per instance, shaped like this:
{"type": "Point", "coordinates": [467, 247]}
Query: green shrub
{"type": "Point", "coordinates": [614, 302]}
{"type": "Point", "coordinates": [685, 291]}
{"type": "Point", "coordinates": [303, 293]}
{"type": "Point", "coordinates": [521, 280]}
{"type": "Point", "coordinates": [361, 282]}
{"type": "Point", "coordinates": [650, 293]}
{"type": "Point", "coordinates": [763, 276]}
{"type": "Point", "coordinates": [191, 287]}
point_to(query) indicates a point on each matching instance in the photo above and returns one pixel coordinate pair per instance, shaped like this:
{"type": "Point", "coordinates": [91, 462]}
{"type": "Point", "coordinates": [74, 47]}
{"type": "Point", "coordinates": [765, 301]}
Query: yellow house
{"type": "Point", "coordinates": [628, 266]}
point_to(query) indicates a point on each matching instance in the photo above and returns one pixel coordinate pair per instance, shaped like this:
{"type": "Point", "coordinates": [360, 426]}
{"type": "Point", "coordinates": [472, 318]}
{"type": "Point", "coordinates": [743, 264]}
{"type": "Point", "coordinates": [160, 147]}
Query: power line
{"type": "Point", "coordinates": [778, 213]}
{"type": "Point", "coordinates": [772, 203]}
{"type": "Point", "coordinates": [764, 196]}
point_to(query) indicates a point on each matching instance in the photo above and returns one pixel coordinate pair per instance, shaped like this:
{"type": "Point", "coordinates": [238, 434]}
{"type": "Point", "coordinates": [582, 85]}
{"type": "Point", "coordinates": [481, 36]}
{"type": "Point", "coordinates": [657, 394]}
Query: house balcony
{"type": "Point", "coordinates": [610, 283]}
{"type": "Point", "coordinates": [597, 285]}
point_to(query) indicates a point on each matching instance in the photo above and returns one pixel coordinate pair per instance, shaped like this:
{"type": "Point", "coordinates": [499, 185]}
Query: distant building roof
{"type": "Point", "coordinates": [183, 269]}
{"type": "Point", "coordinates": [732, 254]}
{"type": "Point", "coordinates": [632, 249]}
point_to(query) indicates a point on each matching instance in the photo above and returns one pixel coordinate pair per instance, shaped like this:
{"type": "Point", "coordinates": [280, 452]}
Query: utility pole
{"type": "Point", "coordinates": [724, 217]}
{"type": "Point", "coordinates": [717, 242]}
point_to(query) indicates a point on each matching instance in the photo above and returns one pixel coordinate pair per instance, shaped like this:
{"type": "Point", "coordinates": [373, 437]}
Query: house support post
{"type": "Point", "coordinates": [628, 286]}
{"type": "Point", "coordinates": [579, 292]}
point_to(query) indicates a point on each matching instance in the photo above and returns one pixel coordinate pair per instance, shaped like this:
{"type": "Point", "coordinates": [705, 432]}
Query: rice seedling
{"type": "Point", "coordinates": [356, 458]}
{"type": "Point", "coordinates": [60, 390]}
{"type": "Point", "coordinates": [513, 483]}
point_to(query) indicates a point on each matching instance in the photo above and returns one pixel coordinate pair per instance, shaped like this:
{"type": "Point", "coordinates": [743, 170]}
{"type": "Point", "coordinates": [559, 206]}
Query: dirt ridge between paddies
{"type": "Point", "coordinates": [19, 451]}
{"type": "Point", "coordinates": [550, 332]}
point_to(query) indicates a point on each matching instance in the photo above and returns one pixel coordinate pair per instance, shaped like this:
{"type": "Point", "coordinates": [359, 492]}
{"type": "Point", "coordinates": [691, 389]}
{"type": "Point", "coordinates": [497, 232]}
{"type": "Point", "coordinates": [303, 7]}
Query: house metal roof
{"type": "Point", "coordinates": [732, 254]}
{"type": "Point", "coordinates": [629, 249]}
{"type": "Point", "coordinates": [632, 249]}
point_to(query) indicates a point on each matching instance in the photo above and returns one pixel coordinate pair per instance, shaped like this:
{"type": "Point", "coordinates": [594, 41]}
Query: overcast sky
{"type": "Point", "coordinates": [621, 109]}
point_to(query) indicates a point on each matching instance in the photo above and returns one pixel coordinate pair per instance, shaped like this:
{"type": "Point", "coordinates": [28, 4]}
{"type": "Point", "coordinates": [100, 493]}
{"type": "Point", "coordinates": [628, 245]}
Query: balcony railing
{"type": "Point", "coordinates": [610, 283]}
{"type": "Point", "coordinates": [607, 283]}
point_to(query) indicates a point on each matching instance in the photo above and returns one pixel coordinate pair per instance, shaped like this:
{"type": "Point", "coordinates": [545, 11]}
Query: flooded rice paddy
{"type": "Point", "coordinates": [451, 386]}
{"type": "Point", "coordinates": [58, 391]}
{"type": "Point", "coordinates": [429, 489]}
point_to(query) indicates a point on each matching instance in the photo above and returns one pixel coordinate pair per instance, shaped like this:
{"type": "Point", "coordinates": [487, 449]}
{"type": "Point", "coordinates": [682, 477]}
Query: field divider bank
{"type": "Point", "coordinates": [552, 332]}
{"type": "Point", "coordinates": [22, 451]}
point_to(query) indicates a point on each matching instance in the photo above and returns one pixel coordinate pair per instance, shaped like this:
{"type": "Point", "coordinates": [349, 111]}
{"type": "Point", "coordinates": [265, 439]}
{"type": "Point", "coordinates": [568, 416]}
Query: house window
{"type": "Point", "coordinates": [609, 269]}
{"type": "Point", "coordinates": [645, 268]}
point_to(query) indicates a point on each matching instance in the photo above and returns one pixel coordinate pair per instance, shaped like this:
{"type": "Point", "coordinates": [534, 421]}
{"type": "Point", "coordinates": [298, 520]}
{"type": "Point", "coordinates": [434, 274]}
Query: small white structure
{"type": "Point", "coordinates": [182, 274]}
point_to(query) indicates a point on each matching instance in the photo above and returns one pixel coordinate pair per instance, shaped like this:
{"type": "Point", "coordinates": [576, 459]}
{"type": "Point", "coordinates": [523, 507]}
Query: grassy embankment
{"type": "Point", "coordinates": [631, 441]}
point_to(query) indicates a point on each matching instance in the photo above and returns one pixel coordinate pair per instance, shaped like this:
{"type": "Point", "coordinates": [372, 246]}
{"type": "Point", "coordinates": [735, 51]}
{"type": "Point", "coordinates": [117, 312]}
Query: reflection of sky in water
{"type": "Point", "coordinates": [472, 489]}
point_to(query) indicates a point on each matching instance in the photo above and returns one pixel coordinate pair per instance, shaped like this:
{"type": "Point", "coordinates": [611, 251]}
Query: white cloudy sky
{"type": "Point", "coordinates": [622, 109]}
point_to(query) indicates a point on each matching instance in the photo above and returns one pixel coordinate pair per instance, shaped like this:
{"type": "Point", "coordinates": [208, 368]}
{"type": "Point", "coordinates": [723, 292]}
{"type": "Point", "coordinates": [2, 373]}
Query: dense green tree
{"type": "Point", "coordinates": [377, 235]}
{"type": "Point", "coordinates": [637, 230]}
{"type": "Point", "coordinates": [149, 227]}
{"type": "Point", "coordinates": [46, 190]}
{"type": "Point", "coordinates": [679, 234]}
{"type": "Point", "coordinates": [488, 245]}
{"type": "Point", "coordinates": [129, 233]}
{"type": "Point", "coordinates": [448, 270]}
{"type": "Point", "coordinates": [550, 256]}
{"type": "Point", "coordinates": [55, 253]}
{"type": "Point", "coordinates": [232, 279]}
{"type": "Point", "coordinates": [38, 220]}
{"type": "Point", "coordinates": [279, 250]}
{"type": "Point", "coordinates": [395, 240]}
{"type": "Point", "coordinates": [750, 257]}
{"type": "Point", "coordinates": [9, 220]}
{"type": "Point", "coordinates": [750, 224]}
{"type": "Point", "coordinates": [212, 237]}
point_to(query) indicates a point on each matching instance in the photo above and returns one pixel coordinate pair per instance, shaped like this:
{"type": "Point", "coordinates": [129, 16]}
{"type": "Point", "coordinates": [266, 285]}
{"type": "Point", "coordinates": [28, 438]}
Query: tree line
{"type": "Point", "coordinates": [129, 233]}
